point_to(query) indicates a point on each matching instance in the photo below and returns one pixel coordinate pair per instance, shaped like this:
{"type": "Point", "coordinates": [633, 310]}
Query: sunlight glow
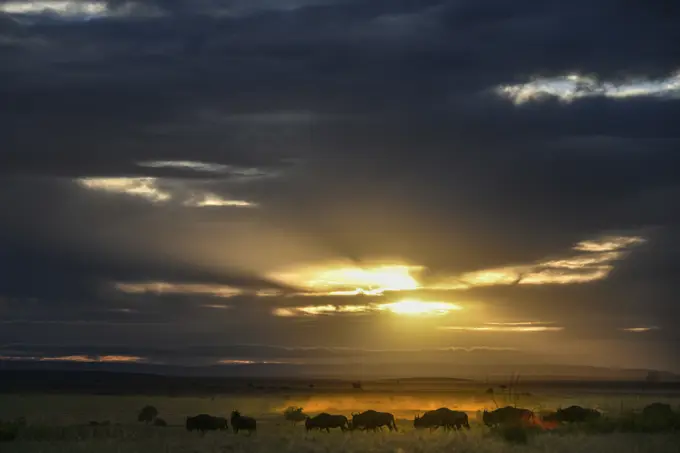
{"type": "Point", "coordinates": [347, 280]}
{"type": "Point", "coordinates": [591, 260]}
{"type": "Point", "coordinates": [417, 307]}
{"type": "Point", "coordinates": [505, 276]}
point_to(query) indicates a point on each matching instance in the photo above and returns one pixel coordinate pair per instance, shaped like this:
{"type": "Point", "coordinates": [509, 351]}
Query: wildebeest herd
{"type": "Point", "coordinates": [443, 417]}
{"type": "Point", "coordinates": [205, 422]}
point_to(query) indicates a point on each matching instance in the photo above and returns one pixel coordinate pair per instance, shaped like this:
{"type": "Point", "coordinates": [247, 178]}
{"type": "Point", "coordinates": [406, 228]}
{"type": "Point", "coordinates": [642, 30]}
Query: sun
{"type": "Point", "coordinates": [415, 307]}
{"type": "Point", "coordinates": [338, 279]}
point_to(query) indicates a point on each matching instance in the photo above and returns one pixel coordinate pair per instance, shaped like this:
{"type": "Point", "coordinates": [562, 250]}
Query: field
{"type": "Point", "coordinates": [59, 423]}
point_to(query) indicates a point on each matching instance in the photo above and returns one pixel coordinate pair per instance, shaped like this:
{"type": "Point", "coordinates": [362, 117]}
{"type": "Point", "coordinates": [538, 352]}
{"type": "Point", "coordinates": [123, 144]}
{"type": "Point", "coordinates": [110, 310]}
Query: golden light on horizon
{"type": "Point", "coordinates": [417, 307]}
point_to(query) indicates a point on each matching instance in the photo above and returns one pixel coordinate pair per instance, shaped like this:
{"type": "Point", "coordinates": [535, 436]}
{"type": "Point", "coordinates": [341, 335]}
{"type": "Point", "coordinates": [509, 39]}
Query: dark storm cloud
{"type": "Point", "coordinates": [381, 134]}
{"type": "Point", "coordinates": [33, 271]}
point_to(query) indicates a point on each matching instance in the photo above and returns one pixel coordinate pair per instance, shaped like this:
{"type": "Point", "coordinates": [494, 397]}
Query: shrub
{"type": "Point", "coordinates": [515, 434]}
{"type": "Point", "coordinates": [9, 431]}
{"type": "Point", "coordinates": [294, 414]}
{"type": "Point", "coordinates": [147, 414]}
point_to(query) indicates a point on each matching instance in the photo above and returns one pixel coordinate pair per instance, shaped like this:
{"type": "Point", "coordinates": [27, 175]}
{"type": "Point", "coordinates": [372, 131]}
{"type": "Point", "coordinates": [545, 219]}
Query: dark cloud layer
{"type": "Point", "coordinates": [356, 130]}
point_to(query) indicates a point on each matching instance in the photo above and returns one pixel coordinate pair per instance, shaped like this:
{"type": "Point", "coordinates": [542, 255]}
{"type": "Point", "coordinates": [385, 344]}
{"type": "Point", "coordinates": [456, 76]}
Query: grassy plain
{"type": "Point", "coordinates": [58, 423]}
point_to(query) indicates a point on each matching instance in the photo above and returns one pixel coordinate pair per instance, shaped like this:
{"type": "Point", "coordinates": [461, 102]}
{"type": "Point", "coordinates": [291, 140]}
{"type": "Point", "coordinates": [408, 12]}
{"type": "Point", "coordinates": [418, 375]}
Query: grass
{"type": "Point", "coordinates": [297, 441]}
{"type": "Point", "coordinates": [60, 424]}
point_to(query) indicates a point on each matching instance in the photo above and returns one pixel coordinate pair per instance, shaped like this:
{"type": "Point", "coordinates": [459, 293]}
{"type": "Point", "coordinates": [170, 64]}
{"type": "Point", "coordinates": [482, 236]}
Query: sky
{"type": "Point", "coordinates": [340, 181]}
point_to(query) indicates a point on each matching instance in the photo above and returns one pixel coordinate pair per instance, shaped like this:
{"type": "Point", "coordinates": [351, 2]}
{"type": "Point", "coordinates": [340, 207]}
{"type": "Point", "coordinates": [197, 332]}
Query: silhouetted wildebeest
{"type": "Point", "coordinates": [573, 414]}
{"type": "Point", "coordinates": [96, 423]}
{"type": "Point", "coordinates": [326, 421]}
{"type": "Point", "coordinates": [658, 409]}
{"type": "Point", "coordinates": [373, 420]}
{"type": "Point", "coordinates": [443, 416]}
{"type": "Point", "coordinates": [659, 414]}
{"type": "Point", "coordinates": [160, 422]}
{"type": "Point", "coordinates": [205, 422]}
{"type": "Point", "coordinates": [242, 423]}
{"type": "Point", "coordinates": [508, 415]}
{"type": "Point", "coordinates": [222, 424]}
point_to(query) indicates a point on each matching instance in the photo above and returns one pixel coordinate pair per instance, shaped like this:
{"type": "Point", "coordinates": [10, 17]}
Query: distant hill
{"type": "Point", "coordinates": [430, 371]}
{"type": "Point", "coordinates": [117, 379]}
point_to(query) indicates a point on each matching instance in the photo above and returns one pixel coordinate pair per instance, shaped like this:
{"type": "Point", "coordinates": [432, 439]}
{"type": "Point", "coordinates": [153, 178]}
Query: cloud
{"type": "Point", "coordinates": [217, 306]}
{"type": "Point", "coordinates": [501, 328]}
{"type": "Point", "coordinates": [207, 167]}
{"type": "Point", "coordinates": [212, 200]}
{"type": "Point", "coordinates": [595, 262]}
{"type": "Point", "coordinates": [179, 115]}
{"type": "Point", "coordinates": [179, 288]}
{"type": "Point", "coordinates": [187, 164]}
{"type": "Point", "coordinates": [246, 362]}
{"type": "Point", "coordinates": [571, 87]}
{"type": "Point", "coordinates": [334, 278]}
{"type": "Point", "coordinates": [640, 329]}
{"type": "Point", "coordinates": [138, 187]}
{"type": "Point", "coordinates": [149, 188]}
{"type": "Point", "coordinates": [609, 244]}
{"type": "Point", "coordinates": [78, 358]}
{"type": "Point", "coordinates": [407, 307]}
{"type": "Point", "coordinates": [63, 8]}
{"type": "Point", "coordinates": [417, 307]}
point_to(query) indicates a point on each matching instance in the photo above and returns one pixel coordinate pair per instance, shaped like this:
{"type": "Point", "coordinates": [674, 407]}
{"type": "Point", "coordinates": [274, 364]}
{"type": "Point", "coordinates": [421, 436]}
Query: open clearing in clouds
{"type": "Point", "coordinates": [56, 423]}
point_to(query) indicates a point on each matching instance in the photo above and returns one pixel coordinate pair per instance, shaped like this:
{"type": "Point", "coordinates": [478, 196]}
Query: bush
{"type": "Point", "coordinates": [294, 414]}
{"type": "Point", "coordinates": [630, 422]}
{"type": "Point", "coordinates": [515, 434]}
{"type": "Point", "coordinates": [7, 435]}
{"type": "Point", "coordinates": [147, 414]}
{"type": "Point", "coordinates": [9, 431]}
